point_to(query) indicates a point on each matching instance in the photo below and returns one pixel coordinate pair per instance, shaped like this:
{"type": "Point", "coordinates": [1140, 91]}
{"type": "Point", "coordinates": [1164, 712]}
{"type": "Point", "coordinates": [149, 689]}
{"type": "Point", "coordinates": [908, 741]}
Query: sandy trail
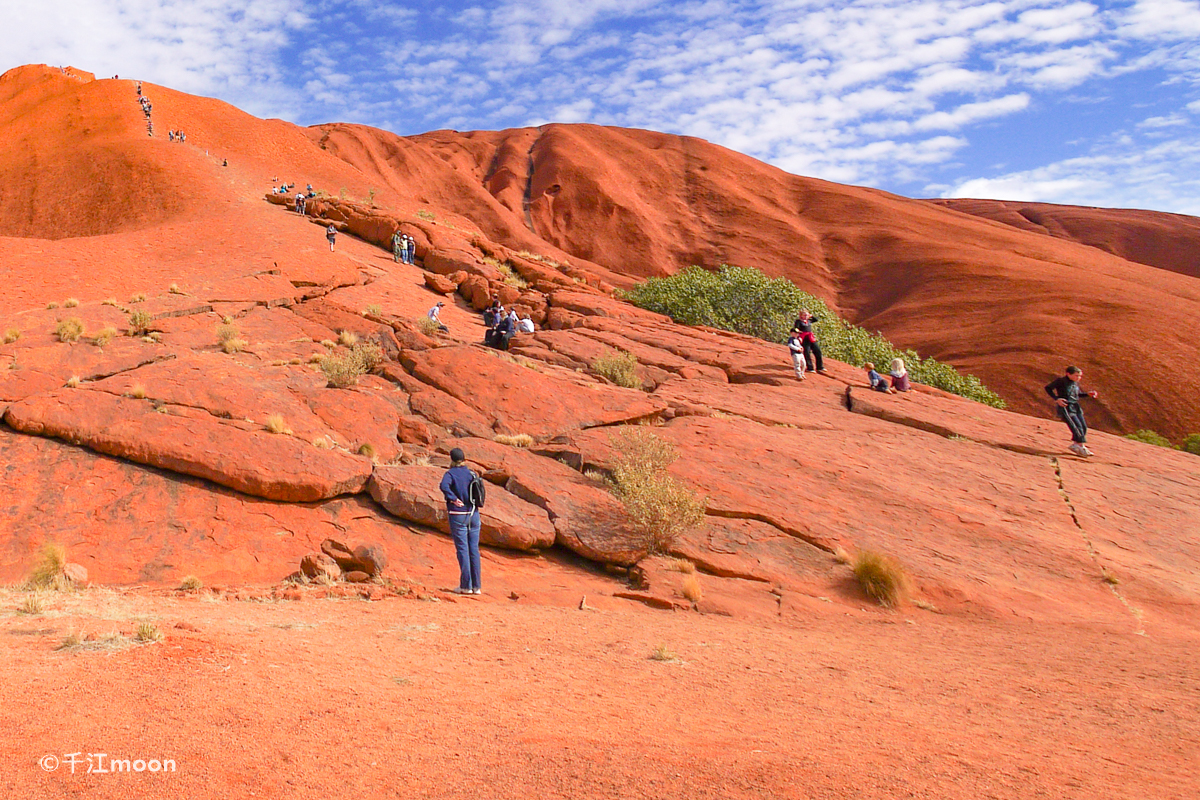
{"type": "Point", "coordinates": [496, 698]}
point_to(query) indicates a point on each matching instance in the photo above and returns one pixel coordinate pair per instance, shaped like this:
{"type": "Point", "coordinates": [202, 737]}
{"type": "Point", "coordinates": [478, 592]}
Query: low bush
{"type": "Point", "coordinates": [373, 310]}
{"type": "Point", "coordinates": [619, 367]}
{"type": "Point", "coordinates": [343, 371]}
{"type": "Point", "coordinates": [11, 335]}
{"type": "Point", "coordinates": [69, 329]}
{"type": "Point", "coordinates": [658, 506]}
{"type": "Point", "coordinates": [191, 584]}
{"type": "Point", "coordinates": [70, 302]}
{"type": "Point", "coordinates": [139, 322]}
{"type": "Point", "coordinates": [235, 345]}
{"type": "Point", "coordinates": [514, 440]}
{"type": "Point", "coordinates": [1191, 444]}
{"type": "Point", "coordinates": [427, 326]}
{"type": "Point", "coordinates": [47, 573]}
{"type": "Point", "coordinates": [1147, 436]}
{"type": "Point", "coordinates": [105, 336]}
{"type": "Point", "coordinates": [881, 577]}
{"type": "Point", "coordinates": [746, 301]}
{"type": "Point", "coordinates": [347, 338]}
{"type": "Point", "coordinates": [148, 633]}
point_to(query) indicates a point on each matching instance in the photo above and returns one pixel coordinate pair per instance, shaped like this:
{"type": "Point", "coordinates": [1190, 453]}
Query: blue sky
{"type": "Point", "coordinates": [1093, 103]}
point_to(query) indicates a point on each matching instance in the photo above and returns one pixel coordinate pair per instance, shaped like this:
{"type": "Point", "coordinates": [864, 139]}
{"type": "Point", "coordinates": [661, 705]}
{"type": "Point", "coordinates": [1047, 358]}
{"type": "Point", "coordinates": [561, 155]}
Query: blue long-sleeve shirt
{"type": "Point", "coordinates": [456, 485]}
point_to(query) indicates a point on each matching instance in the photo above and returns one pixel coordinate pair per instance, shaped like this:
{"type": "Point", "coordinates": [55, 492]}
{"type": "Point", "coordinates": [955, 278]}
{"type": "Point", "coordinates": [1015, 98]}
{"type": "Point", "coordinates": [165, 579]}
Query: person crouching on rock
{"type": "Point", "coordinates": [899, 375]}
{"type": "Point", "coordinates": [1065, 391]}
{"type": "Point", "coordinates": [464, 522]}
{"type": "Point", "coordinates": [796, 346]}
{"type": "Point", "coordinates": [435, 314]}
{"type": "Point", "coordinates": [877, 381]}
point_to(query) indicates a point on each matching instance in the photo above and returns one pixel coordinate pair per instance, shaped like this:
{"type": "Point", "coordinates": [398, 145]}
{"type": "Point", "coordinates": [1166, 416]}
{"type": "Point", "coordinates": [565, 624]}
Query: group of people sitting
{"type": "Point", "coordinates": [502, 325]}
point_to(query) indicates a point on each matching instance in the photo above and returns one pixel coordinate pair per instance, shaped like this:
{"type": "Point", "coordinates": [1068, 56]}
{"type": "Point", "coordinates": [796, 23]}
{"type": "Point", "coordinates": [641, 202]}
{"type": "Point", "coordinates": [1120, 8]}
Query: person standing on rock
{"type": "Point", "coordinates": [410, 250]}
{"type": "Point", "coordinates": [1065, 391]}
{"type": "Point", "coordinates": [464, 522]}
{"type": "Point", "coordinates": [330, 235]}
{"type": "Point", "coordinates": [812, 351]}
{"type": "Point", "coordinates": [398, 247]}
{"type": "Point", "coordinates": [796, 346]}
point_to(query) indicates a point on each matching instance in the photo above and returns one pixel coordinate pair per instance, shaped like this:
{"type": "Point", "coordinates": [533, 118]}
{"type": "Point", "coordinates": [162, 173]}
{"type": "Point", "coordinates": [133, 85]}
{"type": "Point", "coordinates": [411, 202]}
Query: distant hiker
{"type": "Point", "coordinates": [526, 325]}
{"type": "Point", "coordinates": [462, 508]}
{"type": "Point", "coordinates": [225, 163]}
{"type": "Point", "coordinates": [330, 235]}
{"type": "Point", "coordinates": [398, 245]}
{"type": "Point", "coordinates": [877, 381]}
{"type": "Point", "coordinates": [812, 351]}
{"type": "Point", "coordinates": [1065, 391]}
{"type": "Point", "coordinates": [796, 347]}
{"type": "Point", "coordinates": [435, 314]}
{"type": "Point", "coordinates": [139, 88]}
{"type": "Point", "coordinates": [514, 319]}
{"type": "Point", "coordinates": [171, 135]}
{"type": "Point", "coordinates": [899, 375]}
{"type": "Point", "coordinates": [182, 136]}
{"type": "Point", "coordinates": [308, 189]}
{"type": "Point", "coordinates": [410, 250]}
{"type": "Point", "coordinates": [491, 314]}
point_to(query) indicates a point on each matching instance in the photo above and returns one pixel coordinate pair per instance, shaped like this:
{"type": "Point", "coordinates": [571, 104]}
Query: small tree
{"type": "Point", "coordinates": [659, 507]}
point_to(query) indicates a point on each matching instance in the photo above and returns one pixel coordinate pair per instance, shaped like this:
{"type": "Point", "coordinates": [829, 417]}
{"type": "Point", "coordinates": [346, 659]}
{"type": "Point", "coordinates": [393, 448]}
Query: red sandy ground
{"type": "Point", "coordinates": [501, 699]}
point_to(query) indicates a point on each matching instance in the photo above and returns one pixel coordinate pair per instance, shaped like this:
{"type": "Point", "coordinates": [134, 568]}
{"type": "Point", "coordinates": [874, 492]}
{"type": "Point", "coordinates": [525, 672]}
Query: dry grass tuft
{"type": "Point", "coordinates": [1109, 577]}
{"type": "Point", "coordinates": [109, 301]}
{"type": "Point", "coordinates": [619, 367]}
{"type": "Point", "coordinates": [347, 338]}
{"type": "Point", "coordinates": [47, 573]}
{"type": "Point", "coordinates": [73, 382]}
{"type": "Point", "coordinates": [11, 335]}
{"type": "Point", "coordinates": [682, 565]}
{"type": "Point", "coordinates": [69, 329]}
{"type": "Point", "coordinates": [658, 506]}
{"type": "Point", "coordinates": [70, 302]}
{"type": "Point", "coordinates": [367, 449]}
{"type": "Point", "coordinates": [191, 584]}
{"type": "Point", "coordinates": [234, 346]}
{"type": "Point", "coordinates": [138, 298]}
{"type": "Point", "coordinates": [344, 371]}
{"type": "Point", "coordinates": [328, 344]}
{"type": "Point", "coordinates": [515, 440]}
{"type": "Point", "coordinates": [33, 604]}
{"type": "Point", "coordinates": [840, 556]}
{"type": "Point", "coordinates": [663, 653]}
{"type": "Point", "coordinates": [139, 322]}
{"type": "Point", "coordinates": [276, 424]}
{"type": "Point", "coordinates": [147, 633]}
{"type": "Point", "coordinates": [690, 588]}
{"type": "Point", "coordinates": [137, 391]}
{"type": "Point", "coordinates": [105, 336]}
{"type": "Point", "coordinates": [227, 331]}
{"type": "Point", "coordinates": [51, 305]}
{"type": "Point", "coordinates": [324, 443]}
{"type": "Point", "coordinates": [427, 326]}
{"type": "Point", "coordinates": [373, 310]}
{"type": "Point", "coordinates": [174, 289]}
{"type": "Point", "coordinates": [881, 577]}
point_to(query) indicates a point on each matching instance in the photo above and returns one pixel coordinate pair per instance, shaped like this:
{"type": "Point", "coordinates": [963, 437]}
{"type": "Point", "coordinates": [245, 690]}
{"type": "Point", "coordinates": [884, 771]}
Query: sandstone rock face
{"type": "Point", "coordinates": [255, 462]}
{"type": "Point", "coordinates": [317, 565]}
{"type": "Point", "coordinates": [541, 403]}
{"type": "Point", "coordinates": [75, 573]}
{"type": "Point", "coordinates": [411, 493]}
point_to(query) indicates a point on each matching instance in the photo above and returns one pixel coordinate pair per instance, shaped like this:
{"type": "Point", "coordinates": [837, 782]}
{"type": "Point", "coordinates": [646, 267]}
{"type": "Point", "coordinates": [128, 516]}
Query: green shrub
{"type": "Point", "coordinates": [746, 301]}
{"type": "Point", "coordinates": [1150, 437]}
{"type": "Point", "coordinates": [658, 506]}
{"type": "Point", "coordinates": [619, 367]}
{"type": "Point", "coordinates": [1191, 444]}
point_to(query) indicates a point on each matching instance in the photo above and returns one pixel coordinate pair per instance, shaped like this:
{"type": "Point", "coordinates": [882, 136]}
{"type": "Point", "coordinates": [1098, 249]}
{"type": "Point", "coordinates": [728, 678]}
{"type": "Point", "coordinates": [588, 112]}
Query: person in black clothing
{"type": "Point", "coordinates": [812, 351]}
{"type": "Point", "coordinates": [1065, 391]}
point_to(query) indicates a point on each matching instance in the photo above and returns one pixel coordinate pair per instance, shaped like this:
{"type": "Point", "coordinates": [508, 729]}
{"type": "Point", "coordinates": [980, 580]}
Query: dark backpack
{"type": "Point", "coordinates": [477, 491]}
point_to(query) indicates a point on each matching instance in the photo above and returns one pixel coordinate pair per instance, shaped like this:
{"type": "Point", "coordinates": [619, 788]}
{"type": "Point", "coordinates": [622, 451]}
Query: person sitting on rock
{"type": "Point", "coordinates": [899, 375]}
{"type": "Point", "coordinates": [796, 346]}
{"type": "Point", "coordinates": [435, 314]}
{"type": "Point", "coordinates": [526, 325]}
{"type": "Point", "coordinates": [500, 336]}
{"type": "Point", "coordinates": [812, 350]}
{"type": "Point", "coordinates": [877, 381]}
{"type": "Point", "coordinates": [491, 314]}
{"type": "Point", "coordinates": [464, 522]}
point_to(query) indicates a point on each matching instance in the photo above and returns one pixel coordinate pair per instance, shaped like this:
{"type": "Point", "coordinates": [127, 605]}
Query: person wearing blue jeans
{"type": "Point", "coordinates": [464, 522]}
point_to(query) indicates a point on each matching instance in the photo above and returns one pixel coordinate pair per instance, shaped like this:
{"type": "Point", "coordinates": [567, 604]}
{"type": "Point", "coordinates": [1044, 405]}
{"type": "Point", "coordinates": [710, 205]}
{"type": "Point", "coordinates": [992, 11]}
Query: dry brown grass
{"type": "Point", "coordinates": [139, 322]}
{"type": "Point", "coordinates": [690, 588]}
{"type": "Point", "coordinates": [73, 382]}
{"type": "Point", "coordinates": [344, 371]}
{"type": "Point", "coordinates": [619, 367]}
{"type": "Point", "coordinates": [47, 573]}
{"type": "Point", "coordinates": [682, 565]}
{"type": "Point", "coordinates": [234, 346]}
{"type": "Point", "coordinates": [277, 424]}
{"type": "Point", "coordinates": [11, 335]}
{"type": "Point", "coordinates": [427, 326]}
{"type": "Point", "coordinates": [840, 556]}
{"type": "Point", "coordinates": [658, 506]}
{"type": "Point", "coordinates": [1109, 577]}
{"type": "Point", "coordinates": [33, 604]}
{"type": "Point", "coordinates": [367, 449]}
{"type": "Point", "coordinates": [191, 584]}
{"type": "Point", "coordinates": [106, 335]}
{"type": "Point", "coordinates": [51, 305]}
{"type": "Point", "coordinates": [373, 310]}
{"type": "Point", "coordinates": [174, 289]}
{"type": "Point", "coordinates": [147, 633]}
{"type": "Point", "coordinates": [137, 391]}
{"type": "Point", "coordinates": [663, 653]}
{"type": "Point", "coordinates": [70, 302]}
{"type": "Point", "coordinates": [881, 577]}
{"type": "Point", "coordinates": [69, 329]}
{"type": "Point", "coordinates": [514, 440]}
{"type": "Point", "coordinates": [347, 338]}
{"type": "Point", "coordinates": [227, 331]}
{"type": "Point", "coordinates": [138, 298]}
{"type": "Point", "coordinates": [324, 443]}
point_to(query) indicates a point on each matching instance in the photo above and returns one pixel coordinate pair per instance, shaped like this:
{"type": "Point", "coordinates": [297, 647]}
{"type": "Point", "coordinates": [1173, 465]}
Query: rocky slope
{"type": "Point", "coordinates": [153, 452]}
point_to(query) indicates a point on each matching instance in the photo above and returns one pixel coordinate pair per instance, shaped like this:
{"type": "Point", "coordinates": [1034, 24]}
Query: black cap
{"type": "Point", "coordinates": [457, 455]}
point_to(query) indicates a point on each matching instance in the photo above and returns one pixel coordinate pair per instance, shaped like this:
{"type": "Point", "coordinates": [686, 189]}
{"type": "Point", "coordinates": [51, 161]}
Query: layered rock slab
{"type": "Point", "coordinates": [540, 403]}
{"type": "Point", "coordinates": [253, 461]}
